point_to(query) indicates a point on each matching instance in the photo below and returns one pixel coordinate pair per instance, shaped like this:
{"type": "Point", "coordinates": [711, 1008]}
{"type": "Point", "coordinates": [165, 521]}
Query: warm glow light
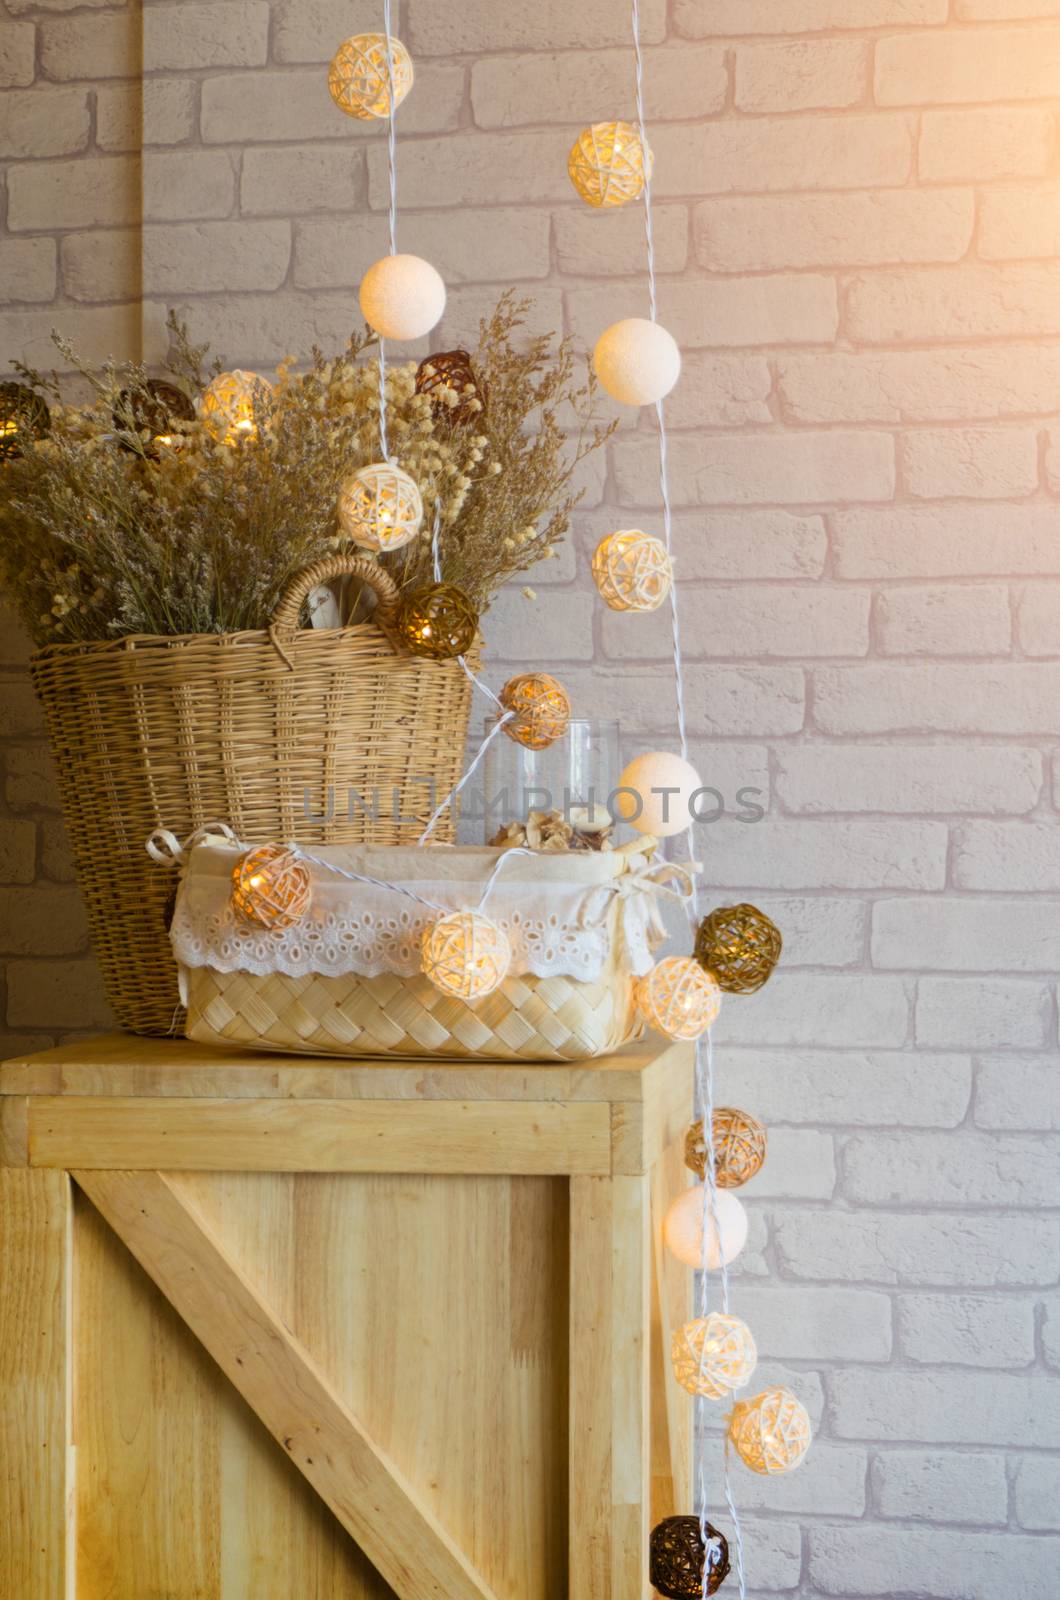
{"type": "Point", "coordinates": [683, 1228]}
{"type": "Point", "coordinates": [466, 954]}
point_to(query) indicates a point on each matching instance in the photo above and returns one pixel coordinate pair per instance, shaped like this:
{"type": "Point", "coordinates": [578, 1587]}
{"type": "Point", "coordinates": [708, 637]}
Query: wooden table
{"type": "Point", "coordinates": [279, 1328]}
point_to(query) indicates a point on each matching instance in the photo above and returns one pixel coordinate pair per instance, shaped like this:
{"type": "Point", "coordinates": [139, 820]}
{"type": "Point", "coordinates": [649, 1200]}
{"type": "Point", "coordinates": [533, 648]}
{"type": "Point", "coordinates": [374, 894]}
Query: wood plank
{"type": "Point", "coordinates": [478, 1136]}
{"type": "Point", "coordinates": [14, 1131]}
{"type": "Point", "coordinates": [672, 1411]}
{"type": "Point", "coordinates": [36, 1483]}
{"type": "Point", "coordinates": [284, 1386]}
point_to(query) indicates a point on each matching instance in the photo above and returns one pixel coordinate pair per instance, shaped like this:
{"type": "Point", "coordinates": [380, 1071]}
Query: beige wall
{"type": "Point", "coordinates": [858, 219]}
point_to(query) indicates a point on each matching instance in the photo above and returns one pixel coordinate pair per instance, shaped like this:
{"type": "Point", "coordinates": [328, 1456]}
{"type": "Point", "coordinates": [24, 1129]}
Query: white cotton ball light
{"type": "Point", "coordinates": [402, 297]}
{"type": "Point", "coordinates": [683, 1229]}
{"type": "Point", "coordinates": [637, 361]}
{"type": "Point", "coordinates": [655, 794]}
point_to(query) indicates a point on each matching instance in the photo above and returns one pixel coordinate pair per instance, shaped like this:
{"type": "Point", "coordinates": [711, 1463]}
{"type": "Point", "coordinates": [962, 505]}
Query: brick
{"type": "Point", "coordinates": [1010, 856]}
{"type": "Point", "coordinates": [818, 931]}
{"type": "Point", "coordinates": [488, 245]}
{"type": "Point", "coordinates": [1004, 10]}
{"type": "Point", "coordinates": [798, 309]}
{"type": "Point", "coordinates": [735, 17]}
{"type": "Point", "coordinates": [682, 82]}
{"type": "Point", "coordinates": [551, 24]}
{"type": "Point", "coordinates": [797, 1323]}
{"type": "Point", "coordinates": [43, 122]}
{"type": "Point", "coordinates": [748, 544]}
{"type": "Point", "coordinates": [832, 230]}
{"type": "Point", "coordinates": [513, 168]}
{"type": "Point", "coordinates": [777, 1547]}
{"type": "Point", "coordinates": [119, 116]}
{"type": "Point", "coordinates": [1052, 458]}
{"type": "Point", "coordinates": [18, 848]}
{"type": "Point", "coordinates": [721, 391]}
{"type": "Point", "coordinates": [27, 269]}
{"type": "Point", "coordinates": [20, 712]}
{"type": "Point", "coordinates": [977, 463]}
{"type": "Point", "coordinates": [565, 616]}
{"type": "Point", "coordinates": [55, 994]}
{"type": "Point", "coordinates": [845, 853]}
{"type": "Point", "coordinates": [55, 858]}
{"type": "Point", "coordinates": [944, 621]}
{"type": "Point", "coordinates": [940, 697]}
{"type": "Point", "coordinates": [755, 620]}
{"type": "Point", "coordinates": [30, 779]}
{"type": "Point", "coordinates": [940, 1169]}
{"type": "Point", "coordinates": [940, 1407]}
{"type": "Point", "coordinates": [160, 111]}
{"type": "Point", "coordinates": [733, 769]}
{"type": "Point", "coordinates": [933, 304]}
{"type": "Point", "coordinates": [820, 1010]}
{"type": "Point", "coordinates": [192, 258]}
{"type": "Point", "coordinates": [1037, 1493]}
{"type": "Point", "coordinates": [803, 468]}
{"type": "Point", "coordinates": [946, 68]}
{"type": "Point", "coordinates": [101, 265]}
{"type": "Point", "coordinates": [42, 921]}
{"type": "Point", "coordinates": [180, 185]}
{"type": "Point", "coordinates": [846, 1087]}
{"type": "Point", "coordinates": [945, 541]}
{"type": "Point", "coordinates": [831, 1482]}
{"type": "Point", "coordinates": [100, 46]}
{"type": "Point", "coordinates": [741, 702]}
{"type": "Point", "coordinates": [933, 1564]}
{"type": "Point", "coordinates": [199, 34]}
{"type": "Point", "coordinates": [983, 1013]}
{"type": "Point", "coordinates": [293, 105]}
{"type": "Point", "coordinates": [964, 1251]}
{"type": "Point", "coordinates": [301, 178]}
{"type": "Point", "coordinates": [965, 1330]}
{"type": "Point", "coordinates": [810, 74]}
{"type": "Point", "coordinates": [1051, 1333]}
{"type": "Point", "coordinates": [96, 332]}
{"type": "Point", "coordinates": [914, 779]}
{"type": "Point", "coordinates": [1022, 221]}
{"type": "Point", "coordinates": [19, 7]}
{"type": "Point", "coordinates": [16, 647]}
{"type": "Point", "coordinates": [944, 385]}
{"type": "Point", "coordinates": [1017, 1094]}
{"type": "Point", "coordinates": [73, 194]}
{"type": "Point", "coordinates": [936, 1486]}
{"type": "Point", "coordinates": [17, 46]}
{"type": "Point", "coordinates": [1004, 142]}
{"type": "Point", "coordinates": [801, 1166]}
{"type": "Point", "coordinates": [585, 249]}
{"type": "Point", "coordinates": [260, 329]}
{"type": "Point", "coordinates": [961, 934]}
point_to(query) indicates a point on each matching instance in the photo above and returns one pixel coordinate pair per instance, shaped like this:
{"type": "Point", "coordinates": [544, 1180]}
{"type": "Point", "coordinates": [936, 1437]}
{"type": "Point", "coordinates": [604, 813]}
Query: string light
{"type": "Point", "coordinates": [380, 507]}
{"type": "Point", "coordinates": [466, 954]}
{"type": "Point", "coordinates": [713, 1355]}
{"type": "Point", "coordinates": [234, 403]}
{"type": "Point", "coordinates": [720, 1242]}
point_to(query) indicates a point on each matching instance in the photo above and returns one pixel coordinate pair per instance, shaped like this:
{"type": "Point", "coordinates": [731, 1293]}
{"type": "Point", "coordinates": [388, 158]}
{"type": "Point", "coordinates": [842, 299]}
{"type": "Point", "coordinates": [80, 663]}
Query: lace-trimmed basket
{"type": "Point", "coordinates": [346, 980]}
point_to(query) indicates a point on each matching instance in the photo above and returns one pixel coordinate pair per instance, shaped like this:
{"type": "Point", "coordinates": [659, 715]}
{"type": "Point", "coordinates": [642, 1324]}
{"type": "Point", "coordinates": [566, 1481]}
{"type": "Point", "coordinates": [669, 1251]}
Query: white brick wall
{"type": "Point", "coordinates": [858, 236]}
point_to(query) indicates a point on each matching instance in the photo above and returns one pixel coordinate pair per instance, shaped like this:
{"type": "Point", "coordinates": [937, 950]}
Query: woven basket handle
{"type": "Point", "coordinates": [288, 611]}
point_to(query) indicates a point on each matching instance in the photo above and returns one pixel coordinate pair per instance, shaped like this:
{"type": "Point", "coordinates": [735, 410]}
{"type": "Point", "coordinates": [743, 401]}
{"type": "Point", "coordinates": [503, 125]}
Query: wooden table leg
{"type": "Point", "coordinates": [37, 1552]}
{"type": "Point", "coordinates": [610, 1474]}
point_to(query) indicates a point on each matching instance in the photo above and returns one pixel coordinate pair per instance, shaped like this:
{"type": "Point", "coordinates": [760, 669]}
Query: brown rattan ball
{"type": "Point", "coordinates": [153, 410]}
{"type": "Point", "coordinates": [270, 887]}
{"type": "Point", "coordinates": [437, 620]}
{"type": "Point", "coordinates": [542, 709]}
{"type": "Point", "coordinates": [739, 1147]}
{"type": "Point", "coordinates": [676, 1558]}
{"type": "Point", "coordinates": [740, 946]}
{"type": "Point", "coordinates": [449, 379]}
{"type": "Point", "coordinates": [23, 415]}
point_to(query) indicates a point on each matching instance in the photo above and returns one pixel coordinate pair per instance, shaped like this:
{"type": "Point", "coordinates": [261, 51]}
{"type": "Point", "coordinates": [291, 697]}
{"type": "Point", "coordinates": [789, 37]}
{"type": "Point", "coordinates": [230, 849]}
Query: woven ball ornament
{"type": "Point", "coordinates": [683, 1228]}
{"type": "Point", "coordinates": [542, 710]}
{"type": "Point", "coordinates": [632, 570]}
{"type": "Point", "coordinates": [436, 620]}
{"type": "Point", "coordinates": [270, 887]}
{"type": "Point", "coordinates": [677, 1559]}
{"type": "Point", "coordinates": [233, 404]}
{"type": "Point", "coordinates": [713, 1355]}
{"type": "Point", "coordinates": [359, 75]}
{"type": "Point", "coordinates": [739, 1147]}
{"type": "Point", "coordinates": [455, 391]}
{"type": "Point", "coordinates": [606, 163]}
{"type": "Point", "coordinates": [153, 410]}
{"type": "Point", "coordinates": [674, 998]}
{"type": "Point", "coordinates": [23, 415]}
{"type": "Point", "coordinates": [637, 361]}
{"type": "Point", "coordinates": [771, 1432]}
{"type": "Point", "coordinates": [466, 954]}
{"type": "Point", "coordinates": [402, 297]}
{"type": "Point", "coordinates": [655, 794]}
{"type": "Point", "coordinates": [740, 945]}
{"type": "Point", "coordinates": [380, 507]}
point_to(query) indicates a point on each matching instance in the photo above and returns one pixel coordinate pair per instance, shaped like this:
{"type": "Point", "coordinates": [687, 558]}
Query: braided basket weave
{"type": "Point", "coordinates": [254, 729]}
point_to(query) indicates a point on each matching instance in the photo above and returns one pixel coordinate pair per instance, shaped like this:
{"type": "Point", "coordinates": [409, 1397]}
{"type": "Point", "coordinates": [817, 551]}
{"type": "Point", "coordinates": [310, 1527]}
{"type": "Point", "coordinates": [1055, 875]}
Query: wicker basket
{"type": "Point", "coordinates": [317, 735]}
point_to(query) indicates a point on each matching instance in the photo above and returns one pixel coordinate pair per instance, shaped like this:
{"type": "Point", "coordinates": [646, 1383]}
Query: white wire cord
{"type": "Point", "coordinates": [391, 151]}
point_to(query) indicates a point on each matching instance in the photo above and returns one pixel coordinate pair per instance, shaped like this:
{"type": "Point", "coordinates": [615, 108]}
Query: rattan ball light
{"type": "Point", "coordinates": [771, 1432]}
{"type": "Point", "coordinates": [402, 297]}
{"type": "Point", "coordinates": [234, 403]}
{"type": "Point", "coordinates": [632, 570]}
{"type": "Point", "coordinates": [437, 620]}
{"type": "Point", "coordinates": [740, 946]}
{"type": "Point", "coordinates": [380, 507]}
{"type": "Point", "coordinates": [713, 1355]}
{"type": "Point", "coordinates": [153, 410]}
{"type": "Point", "coordinates": [674, 998]}
{"type": "Point", "coordinates": [24, 415]}
{"type": "Point", "coordinates": [359, 75]}
{"type": "Point", "coordinates": [637, 361]}
{"type": "Point", "coordinates": [271, 887]}
{"type": "Point", "coordinates": [606, 163]}
{"type": "Point", "coordinates": [683, 1228]}
{"type": "Point", "coordinates": [677, 1559]}
{"type": "Point", "coordinates": [456, 393]}
{"type": "Point", "coordinates": [466, 954]}
{"type": "Point", "coordinates": [739, 1147]}
{"type": "Point", "coordinates": [542, 710]}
